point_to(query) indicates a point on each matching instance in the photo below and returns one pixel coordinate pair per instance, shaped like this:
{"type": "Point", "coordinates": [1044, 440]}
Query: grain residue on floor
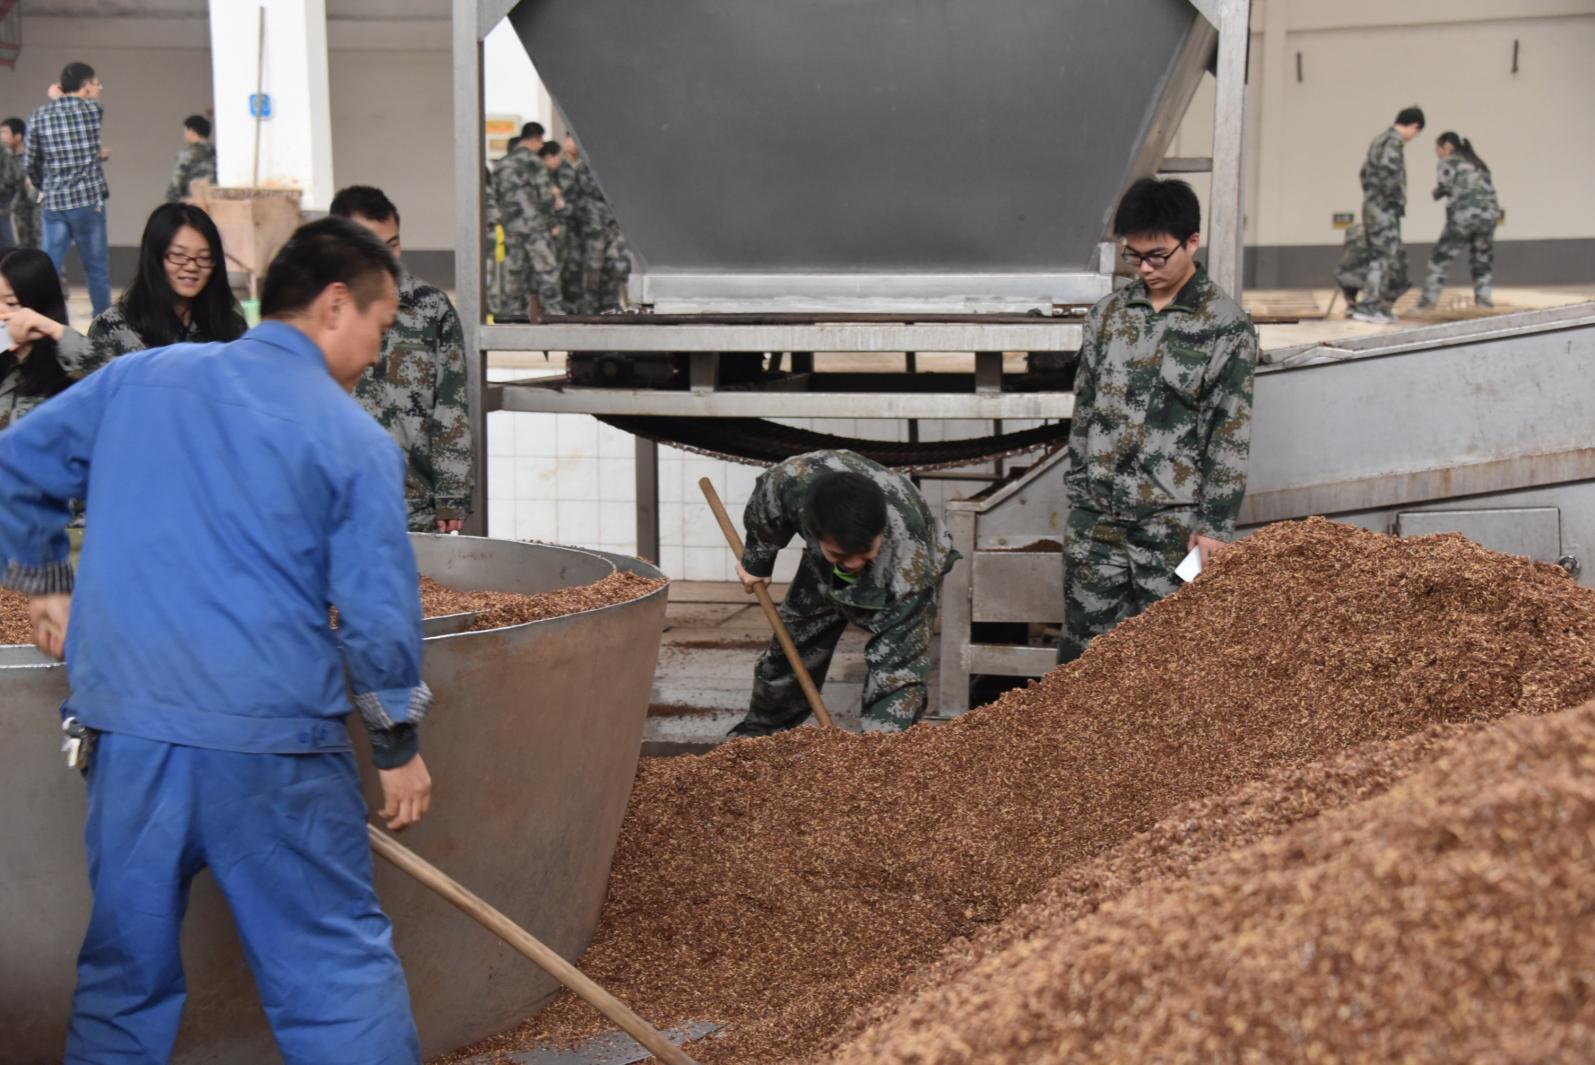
{"type": "Point", "coordinates": [801, 887]}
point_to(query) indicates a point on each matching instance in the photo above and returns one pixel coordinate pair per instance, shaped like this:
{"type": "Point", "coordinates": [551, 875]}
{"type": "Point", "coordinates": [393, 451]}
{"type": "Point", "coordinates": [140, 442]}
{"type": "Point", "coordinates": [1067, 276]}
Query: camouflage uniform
{"type": "Point", "coordinates": [417, 390]}
{"type": "Point", "coordinates": [1384, 201]}
{"type": "Point", "coordinates": [1351, 273]}
{"type": "Point", "coordinates": [26, 225]}
{"type": "Point", "coordinates": [196, 162]}
{"type": "Point", "coordinates": [112, 337]}
{"type": "Point", "coordinates": [606, 259]}
{"type": "Point", "coordinates": [27, 228]}
{"type": "Point", "coordinates": [569, 242]}
{"type": "Point", "coordinates": [73, 352]}
{"type": "Point", "coordinates": [1470, 215]}
{"type": "Point", "coordinates": [1157, 451]}
{"type": "Point", "coordinates": [531, 264]}
{"type": "Point", "coordinates": [894, 597]}
{"type": "Point", "coordinates": [13, 181]}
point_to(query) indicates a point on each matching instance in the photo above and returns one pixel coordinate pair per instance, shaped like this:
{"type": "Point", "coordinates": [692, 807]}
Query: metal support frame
{"type": "Point", "coordinates": [1224, 27]}
{"type": "Point", "coordinates": [469, 31]}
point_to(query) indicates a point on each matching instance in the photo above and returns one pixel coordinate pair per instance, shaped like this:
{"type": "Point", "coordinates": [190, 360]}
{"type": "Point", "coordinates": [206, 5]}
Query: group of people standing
{"type": "Point", "coordinates": [563, 252]}
{"type": "Point", "coordinates": [1372, 273]}
{"type": "Point", "coordinates": [53, 188]}
{"type": "Point", "coordinates": [180, 294]}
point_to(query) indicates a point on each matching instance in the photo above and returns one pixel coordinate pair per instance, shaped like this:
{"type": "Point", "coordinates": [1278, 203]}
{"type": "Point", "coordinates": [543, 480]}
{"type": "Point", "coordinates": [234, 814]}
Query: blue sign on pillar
{"type": "Point", "coordinates": [260, 105]}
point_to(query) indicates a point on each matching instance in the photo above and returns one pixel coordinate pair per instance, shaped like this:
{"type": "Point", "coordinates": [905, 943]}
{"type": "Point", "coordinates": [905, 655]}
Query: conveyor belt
{"type": "Point", "coordinates": [758, 442]}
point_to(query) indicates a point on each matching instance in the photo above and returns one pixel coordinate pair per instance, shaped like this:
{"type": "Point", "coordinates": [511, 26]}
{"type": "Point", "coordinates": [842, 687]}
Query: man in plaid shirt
{"type": "Point", "coordinates": [63, 160]}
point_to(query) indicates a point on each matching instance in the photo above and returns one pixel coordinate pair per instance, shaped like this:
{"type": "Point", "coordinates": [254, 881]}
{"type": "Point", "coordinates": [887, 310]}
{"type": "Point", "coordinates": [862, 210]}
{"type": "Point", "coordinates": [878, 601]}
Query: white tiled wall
{"type": "Point", "coordinates": [570, 479]}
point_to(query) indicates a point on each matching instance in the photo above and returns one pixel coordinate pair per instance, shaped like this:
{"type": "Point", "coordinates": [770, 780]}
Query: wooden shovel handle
{"type": "Point", "coordinates": [516, 936]}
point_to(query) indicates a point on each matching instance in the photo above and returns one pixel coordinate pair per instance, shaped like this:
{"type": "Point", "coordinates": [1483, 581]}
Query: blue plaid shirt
{"type": "Point", "coordinates": [63, 152]}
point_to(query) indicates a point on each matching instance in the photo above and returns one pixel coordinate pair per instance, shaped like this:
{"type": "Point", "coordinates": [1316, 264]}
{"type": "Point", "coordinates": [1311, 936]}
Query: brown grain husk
{"type": "Point", "coordinates": [787, 885]}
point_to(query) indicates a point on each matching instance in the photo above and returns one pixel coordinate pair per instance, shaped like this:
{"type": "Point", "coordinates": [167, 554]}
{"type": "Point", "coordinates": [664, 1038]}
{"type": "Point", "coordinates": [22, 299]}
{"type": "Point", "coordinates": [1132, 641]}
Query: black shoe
{"type": "Point", "coordinates": [751, 728]}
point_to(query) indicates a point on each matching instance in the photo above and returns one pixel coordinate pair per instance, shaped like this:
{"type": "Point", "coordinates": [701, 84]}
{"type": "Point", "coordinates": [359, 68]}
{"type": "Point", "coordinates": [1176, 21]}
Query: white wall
{"type": "Point", "coordinates": [1363, 61]}
{"type": "Point", "coordinates": [156, 73]}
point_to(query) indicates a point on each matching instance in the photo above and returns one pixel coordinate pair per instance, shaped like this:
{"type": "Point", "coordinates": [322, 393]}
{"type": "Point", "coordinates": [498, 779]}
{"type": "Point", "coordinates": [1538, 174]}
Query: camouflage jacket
{"type": "Point", "coordinates": [1468, 190]}
{"type": "Point", "coordinates": [13, 181]}
{"type": "Point", "coordinates": [73, 352]}
{"type": "Point", "coordinates": [1384, 172]}
{"type": "Point", "coordinates": [596, 216]}
{"type": "Point", "coordinates": [915, 552]}
{"type": "Point", "coordinates": [1163, 402]}
{"type": "Point", "coordinates": [570, 188]}
{"type": "Point", "coordinates": [555, 208]}
{"type": "Point", "coordinates": [195, 162]}
{"type": "Point", "coordinates": [111, 337]}
{"type": "Point", "coordinates": [518, 181]}
{"type": "Point", "coordinates": [417, 390]}
{"type": "Point", "coordinates": [24, 207]}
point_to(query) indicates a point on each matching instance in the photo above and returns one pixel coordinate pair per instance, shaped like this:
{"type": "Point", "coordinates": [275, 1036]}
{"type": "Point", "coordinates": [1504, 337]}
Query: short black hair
{"type": "Point", "coordinates": [16, 126]}
{"type": "Point", "coordinates": [76, 75]}
{"type": "Point", "coordinates": [531, 129]}
{"type": "Point", "coordinates": [846, 508]}
{"type": "Point", "coordinates": [322, 253]}
{"type": "Point", "coordinates": [199, 124]}
{"type": "Point", "coordinates": [1410, 116]}
{"type": "Point", "coordinates": [367, 201]}
{"type": "Point", "coordinates": [549, 148]}
{"type": "Point", "coordinates": [1151, 207]}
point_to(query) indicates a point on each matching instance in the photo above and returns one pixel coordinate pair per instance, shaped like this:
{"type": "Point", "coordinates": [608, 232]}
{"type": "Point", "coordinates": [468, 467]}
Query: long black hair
{"type": "Point", "coordinates": [37, 286]}
{"type": "Point", "coordinates": [1463, 147]}
{"type": "Point", "coordinates": [148, 303]}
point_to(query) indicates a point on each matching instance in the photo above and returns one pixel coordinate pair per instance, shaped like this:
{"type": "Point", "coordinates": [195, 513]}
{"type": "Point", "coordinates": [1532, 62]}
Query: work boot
{"type": "Point", "coordinates": [749, 727]}
{"type": "Point", "coordinates": [1427, 302]}
{"type": "Point", "coordinates": [1483, 298]}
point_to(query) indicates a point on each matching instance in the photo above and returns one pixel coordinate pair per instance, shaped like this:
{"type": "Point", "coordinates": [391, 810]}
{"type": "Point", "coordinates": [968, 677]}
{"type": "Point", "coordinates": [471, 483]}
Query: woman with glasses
{"type": "Point", "coordinates": [180, 293]}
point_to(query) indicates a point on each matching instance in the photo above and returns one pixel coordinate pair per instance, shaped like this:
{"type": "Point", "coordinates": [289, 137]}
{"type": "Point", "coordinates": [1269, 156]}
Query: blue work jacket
{"type": "Point", "coordinates": [235, 492]}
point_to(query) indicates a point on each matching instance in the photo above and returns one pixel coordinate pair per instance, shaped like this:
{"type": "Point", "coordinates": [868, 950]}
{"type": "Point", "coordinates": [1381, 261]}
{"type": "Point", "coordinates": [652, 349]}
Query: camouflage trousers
{"type": "Point", "coordinates": [530, 268]}
{"type": "Point", "coordinates": [1386, 277]}
{"type": "Point", "coordinates": [613, 272]}
{"type": "Point", "coordinates": [897, 657]}
{"type": "Point", "coordinates": [1114, 569]}
{"type": "Point", "coordinates": [1478, 240]}
{"type": "Point", "coordinates": [573, 272]}
{"type": "Point", "coordinates": [1351, 273]}
{"type": "Point", "coordinates": [27, 227]}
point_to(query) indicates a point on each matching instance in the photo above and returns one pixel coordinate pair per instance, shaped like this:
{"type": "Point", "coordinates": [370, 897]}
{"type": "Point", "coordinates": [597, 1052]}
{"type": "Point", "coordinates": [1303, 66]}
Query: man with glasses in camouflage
{"type": "Point", "coordinates": [1162, 420]}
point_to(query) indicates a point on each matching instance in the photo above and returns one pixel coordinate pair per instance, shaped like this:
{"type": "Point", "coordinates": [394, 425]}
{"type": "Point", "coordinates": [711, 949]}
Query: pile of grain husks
{"type": "Point", "coordinates": [1446, 920]}
{"type": "Point", "coordinates": [493, 609]}
{"type": "Point", "coordinates": [789, 885]}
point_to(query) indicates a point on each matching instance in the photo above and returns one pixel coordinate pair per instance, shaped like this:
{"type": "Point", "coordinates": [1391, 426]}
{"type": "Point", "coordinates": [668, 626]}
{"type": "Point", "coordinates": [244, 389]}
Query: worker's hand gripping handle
{"type": "Point", "coordinates": [805, 681]}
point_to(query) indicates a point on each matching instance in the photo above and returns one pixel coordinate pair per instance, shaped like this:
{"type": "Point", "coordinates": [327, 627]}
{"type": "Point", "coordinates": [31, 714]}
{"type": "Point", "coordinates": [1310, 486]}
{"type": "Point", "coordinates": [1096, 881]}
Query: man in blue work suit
{"type": "Point", "coordinates": [238, 491]}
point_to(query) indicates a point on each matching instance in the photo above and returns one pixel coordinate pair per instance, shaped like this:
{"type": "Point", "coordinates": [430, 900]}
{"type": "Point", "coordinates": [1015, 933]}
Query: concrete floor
{"type": "Point", "coordinates": [714, 633]}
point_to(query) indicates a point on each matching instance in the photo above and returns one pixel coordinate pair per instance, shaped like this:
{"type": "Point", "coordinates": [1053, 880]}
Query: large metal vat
{"type": "Point", "coordinates": [532, 746]}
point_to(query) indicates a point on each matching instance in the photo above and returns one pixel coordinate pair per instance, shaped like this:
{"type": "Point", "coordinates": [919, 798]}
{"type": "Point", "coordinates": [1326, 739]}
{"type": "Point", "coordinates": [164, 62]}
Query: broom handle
{"type": "Point", "coordinates": [762, 593]}
{"type": "Point", "coordinates": [516, 936]}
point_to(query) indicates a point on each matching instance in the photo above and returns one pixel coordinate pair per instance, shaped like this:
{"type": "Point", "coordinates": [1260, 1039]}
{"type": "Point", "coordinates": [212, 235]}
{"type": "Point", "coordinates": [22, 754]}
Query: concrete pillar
{"type": "Point", "coordinates": [295, 143]}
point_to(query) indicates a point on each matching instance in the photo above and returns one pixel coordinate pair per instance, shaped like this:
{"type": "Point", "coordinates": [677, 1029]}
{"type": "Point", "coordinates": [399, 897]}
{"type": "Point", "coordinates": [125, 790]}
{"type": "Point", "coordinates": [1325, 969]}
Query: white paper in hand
{"type": "Point", "coordinates": [1191, 566]}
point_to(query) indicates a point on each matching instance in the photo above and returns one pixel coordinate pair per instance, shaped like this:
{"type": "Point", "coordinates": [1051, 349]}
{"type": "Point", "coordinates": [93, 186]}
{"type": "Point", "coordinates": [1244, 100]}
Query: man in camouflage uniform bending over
{"type": "Point", "coordinates": [417, 389]}
{"type": "Point", "coordinates": [1162, 420]}
{"type": "Point", "coordinates": [874, 556]}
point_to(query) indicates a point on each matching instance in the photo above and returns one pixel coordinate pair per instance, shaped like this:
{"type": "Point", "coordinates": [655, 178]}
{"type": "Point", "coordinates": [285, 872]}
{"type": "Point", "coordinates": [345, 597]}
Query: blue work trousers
{"type": "Point", "coordinates": [284, 836]}
{"type": "Point", "coordinates": [85, 227]}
